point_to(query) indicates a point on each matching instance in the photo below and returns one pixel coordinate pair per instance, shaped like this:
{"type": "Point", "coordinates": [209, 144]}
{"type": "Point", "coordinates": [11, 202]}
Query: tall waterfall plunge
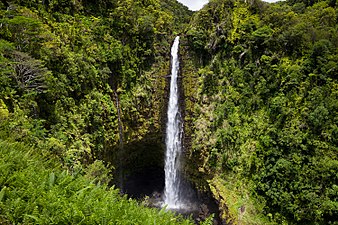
{"type": "Point", "coordinates": [172, 196]}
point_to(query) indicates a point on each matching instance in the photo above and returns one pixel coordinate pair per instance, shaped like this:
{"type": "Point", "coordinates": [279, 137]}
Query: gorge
{"type": "Point", "coordinates": [85, 93]}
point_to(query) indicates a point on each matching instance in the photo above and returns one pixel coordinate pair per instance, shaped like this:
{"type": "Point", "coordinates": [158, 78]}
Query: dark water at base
{"type": "Point", "coordinates": [147, 182]}
{"type": "Point", "coordinates": [150, 182]}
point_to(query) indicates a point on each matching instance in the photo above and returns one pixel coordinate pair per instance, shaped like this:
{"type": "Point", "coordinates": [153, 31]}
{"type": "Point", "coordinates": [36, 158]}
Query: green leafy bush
{"type": "Point", "coordinates": [36, 190]}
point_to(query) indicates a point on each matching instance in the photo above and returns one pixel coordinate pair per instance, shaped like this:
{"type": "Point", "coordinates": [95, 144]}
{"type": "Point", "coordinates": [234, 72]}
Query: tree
{"type": "Point", "coordinates": [29, 73]}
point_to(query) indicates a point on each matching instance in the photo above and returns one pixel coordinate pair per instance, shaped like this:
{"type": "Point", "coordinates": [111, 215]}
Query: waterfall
{"type": "Point", "coordinates": [174, 129]}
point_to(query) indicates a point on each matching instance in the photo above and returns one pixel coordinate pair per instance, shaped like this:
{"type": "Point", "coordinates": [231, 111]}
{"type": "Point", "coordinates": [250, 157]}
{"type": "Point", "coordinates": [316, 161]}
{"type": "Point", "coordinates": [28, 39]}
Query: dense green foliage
{"type": "Point", "coordinates": [267, 103]}
{"type": "Point", "coordinates": [84, 79]}
{"type": "Point", "coordinates": [80, 80]}
{"type": "Point", "coordinates": [35, 190]}
{"type": "Point", "coordinates": [78, 77]}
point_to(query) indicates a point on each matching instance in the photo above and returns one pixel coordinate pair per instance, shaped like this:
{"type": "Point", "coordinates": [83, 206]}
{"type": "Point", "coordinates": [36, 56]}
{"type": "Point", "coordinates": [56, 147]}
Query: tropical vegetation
{"type": "Point", "coordinates": [83, 94]}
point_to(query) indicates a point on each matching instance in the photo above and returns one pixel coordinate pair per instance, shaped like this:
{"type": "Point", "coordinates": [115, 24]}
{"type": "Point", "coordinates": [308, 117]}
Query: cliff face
{"type": "Point", "coordinates": [262, 124]}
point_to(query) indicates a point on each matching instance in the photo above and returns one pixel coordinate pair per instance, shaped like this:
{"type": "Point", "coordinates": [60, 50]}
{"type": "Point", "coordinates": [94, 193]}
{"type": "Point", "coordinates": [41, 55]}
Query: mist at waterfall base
{"type": "Point", "coordinates": [173, 192]}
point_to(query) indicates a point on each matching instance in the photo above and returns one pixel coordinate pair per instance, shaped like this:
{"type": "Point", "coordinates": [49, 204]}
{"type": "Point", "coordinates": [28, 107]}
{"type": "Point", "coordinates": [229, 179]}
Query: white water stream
{"type": "Point", "coordinates": [172, 198]}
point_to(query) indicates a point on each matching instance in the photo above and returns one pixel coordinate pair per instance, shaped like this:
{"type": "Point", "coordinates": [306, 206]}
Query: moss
{"type": "Point", "coordinates": [236, 204]}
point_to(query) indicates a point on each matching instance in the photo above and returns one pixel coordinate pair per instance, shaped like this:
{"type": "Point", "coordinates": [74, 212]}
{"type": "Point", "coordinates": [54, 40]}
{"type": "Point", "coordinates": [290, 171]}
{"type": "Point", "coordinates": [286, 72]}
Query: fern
{"type": "Point", "coordinates": [36, 191]}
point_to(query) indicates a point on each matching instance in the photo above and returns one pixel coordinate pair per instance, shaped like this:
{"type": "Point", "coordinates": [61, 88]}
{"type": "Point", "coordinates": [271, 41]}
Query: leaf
{"type": "Point", "coordinates": [33, 217]}
{"type": "Point", "coordinates": [51, 179]}
{"type": "Point", "coordinates": [2, 193]}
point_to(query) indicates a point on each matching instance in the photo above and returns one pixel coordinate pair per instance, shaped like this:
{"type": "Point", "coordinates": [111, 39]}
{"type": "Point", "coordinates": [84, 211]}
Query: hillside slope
{"type": "Point", "coordinates": [85, 79]}
{"type": "Point", "coordinates": [265, 123]}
